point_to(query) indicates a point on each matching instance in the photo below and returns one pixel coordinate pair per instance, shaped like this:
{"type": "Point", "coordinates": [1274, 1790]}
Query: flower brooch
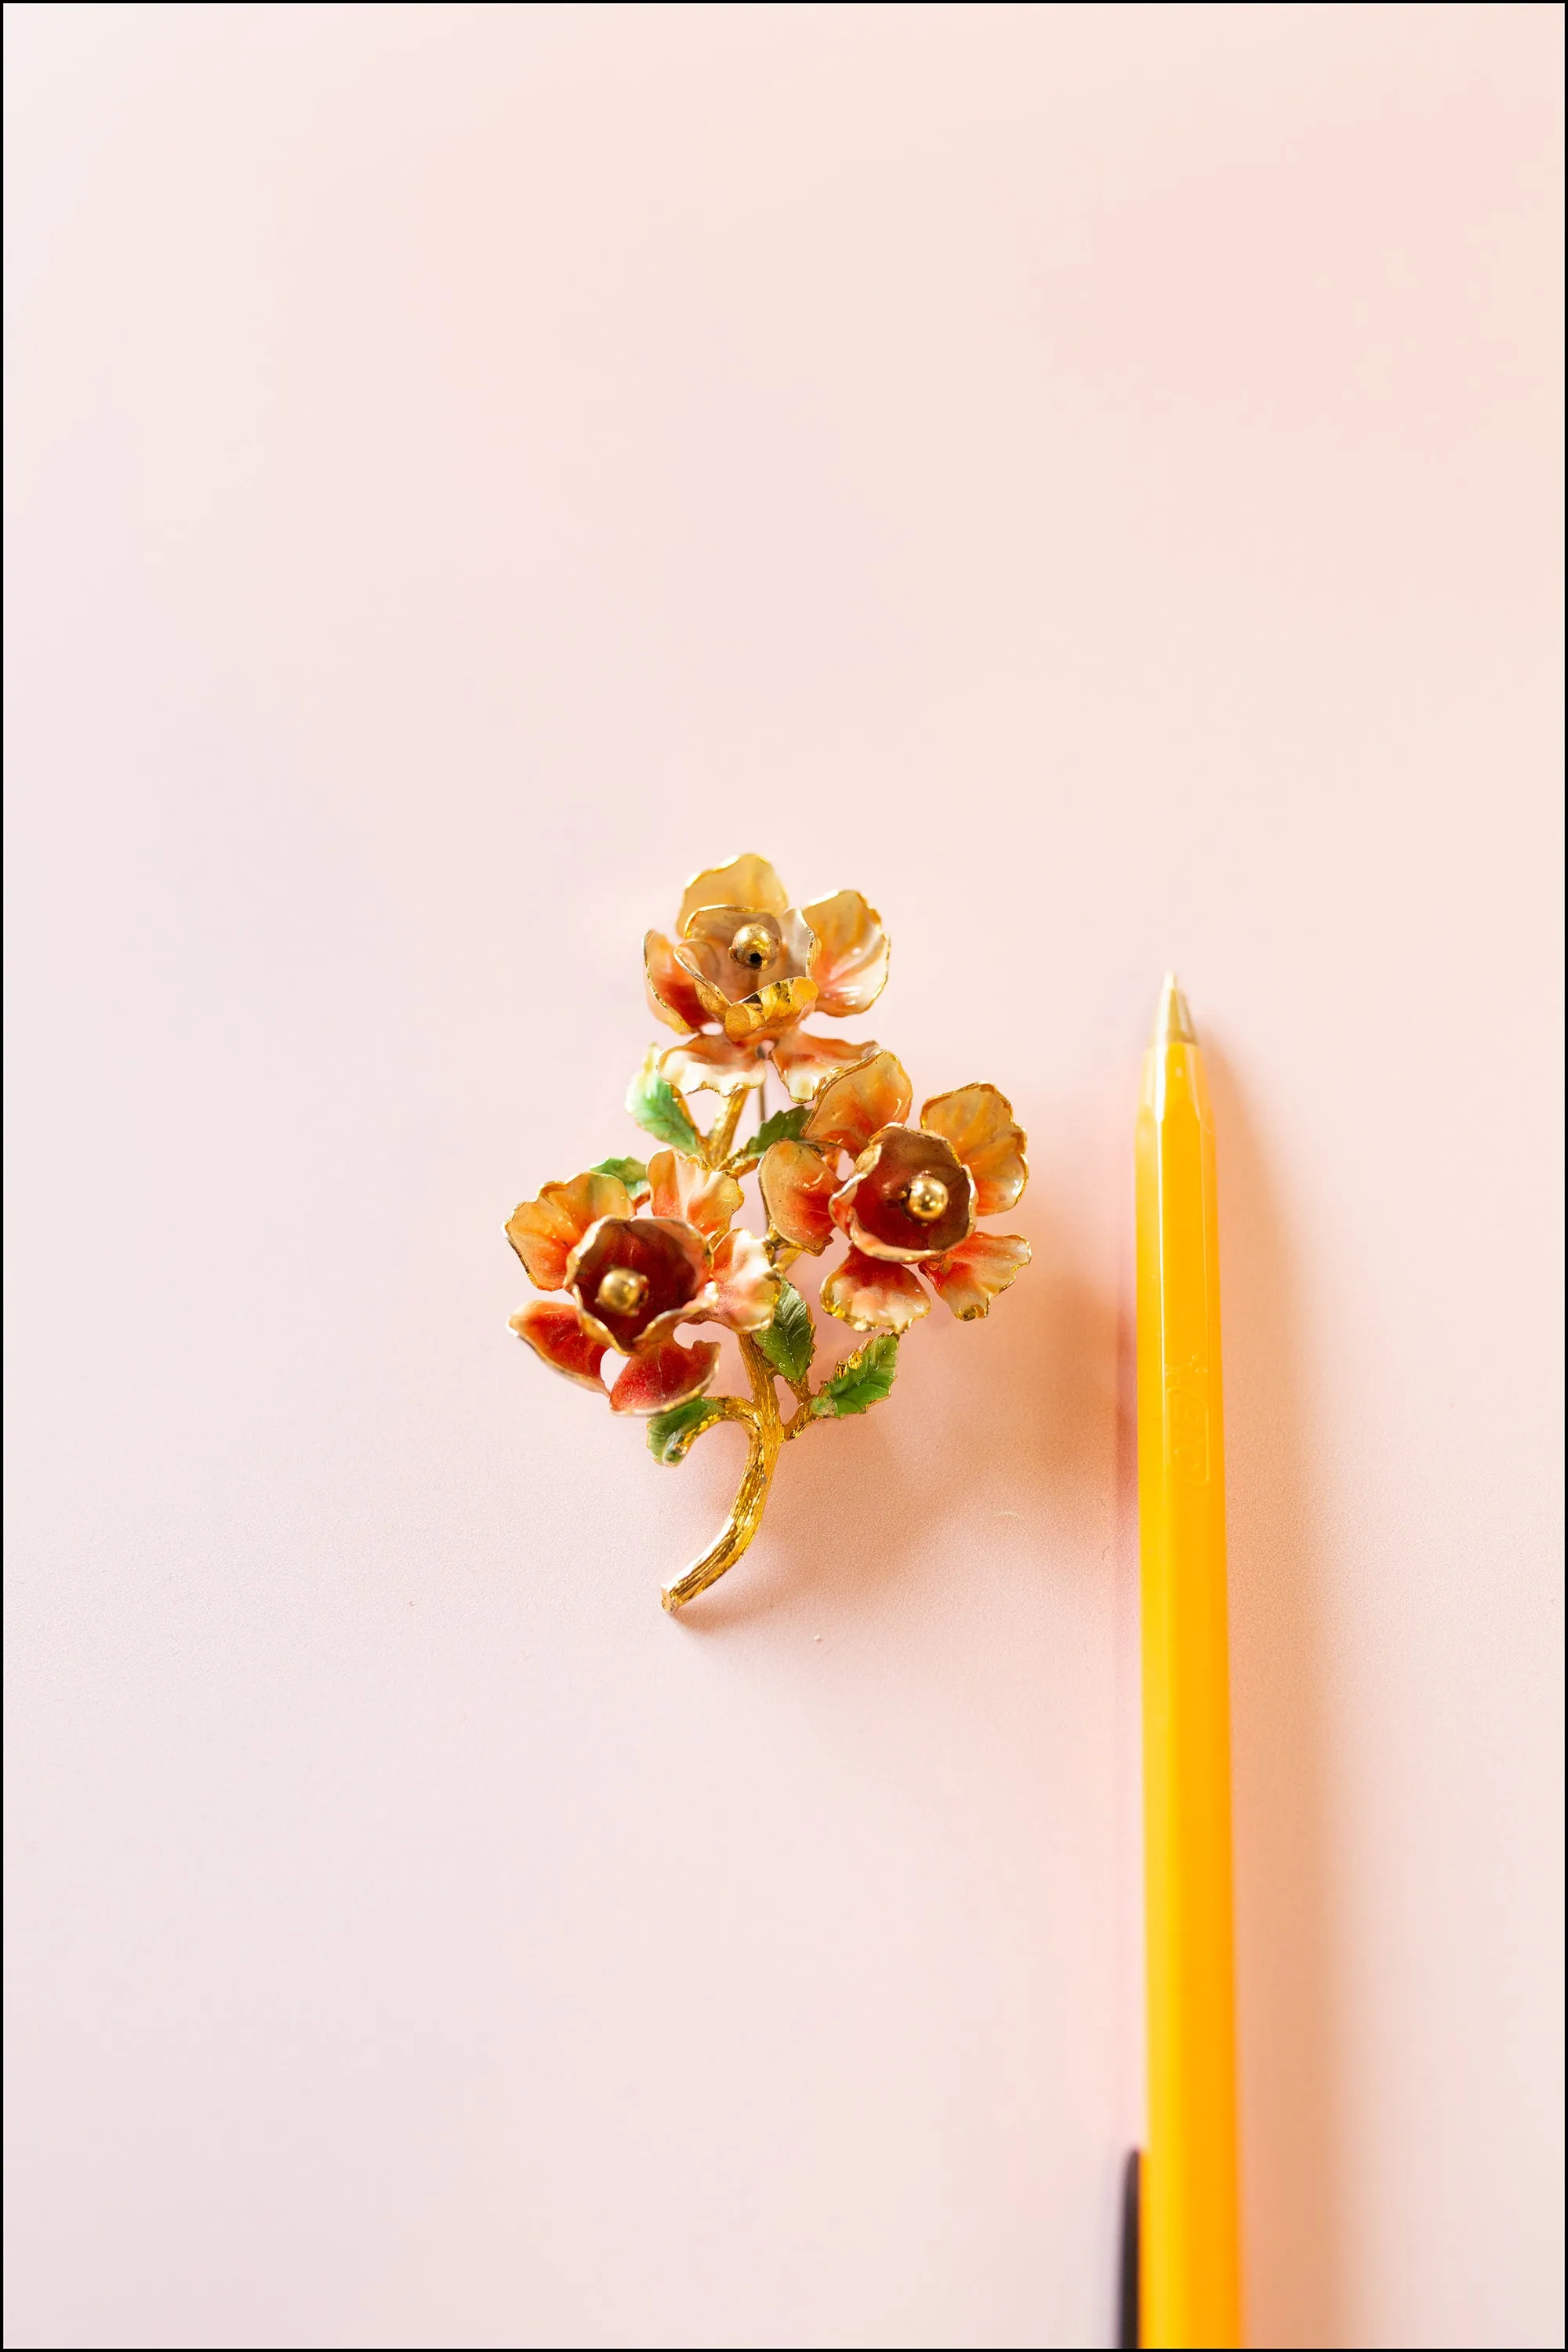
{"type": "Point", "coordinates": [635, 1253]}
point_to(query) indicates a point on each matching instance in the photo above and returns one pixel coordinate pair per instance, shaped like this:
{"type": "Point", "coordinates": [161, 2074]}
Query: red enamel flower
{"type": "Point", "coordinates": [632, 1271]}
{"type": "Point", "coordinates": [910, 1198]}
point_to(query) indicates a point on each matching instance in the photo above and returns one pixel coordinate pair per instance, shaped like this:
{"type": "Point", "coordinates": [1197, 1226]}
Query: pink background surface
{"type": "Point", "coordinates": [1087, 476]}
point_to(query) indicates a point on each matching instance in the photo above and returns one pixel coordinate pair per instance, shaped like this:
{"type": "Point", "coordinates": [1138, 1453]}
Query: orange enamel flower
{"type": "Point", "coordinates": [910, 1198]}
{"type": "Point", "coordinates": [746, 966]}
{"type": "Point", "coordinates": [633, 1270]}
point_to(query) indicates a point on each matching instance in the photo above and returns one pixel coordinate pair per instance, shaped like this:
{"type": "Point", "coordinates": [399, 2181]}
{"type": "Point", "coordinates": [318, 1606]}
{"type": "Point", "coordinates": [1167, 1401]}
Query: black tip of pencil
{"type": "Point", "coordinates": [1126, 2300]}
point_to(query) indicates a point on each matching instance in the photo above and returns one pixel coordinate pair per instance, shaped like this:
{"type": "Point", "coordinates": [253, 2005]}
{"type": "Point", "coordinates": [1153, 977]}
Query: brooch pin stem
{"type": "Point", "coordinates": [766, 1433]}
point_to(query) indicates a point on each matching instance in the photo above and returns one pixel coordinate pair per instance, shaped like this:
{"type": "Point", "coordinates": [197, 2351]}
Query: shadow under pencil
{"type": "Point", "coordinates": [1292, 2224]}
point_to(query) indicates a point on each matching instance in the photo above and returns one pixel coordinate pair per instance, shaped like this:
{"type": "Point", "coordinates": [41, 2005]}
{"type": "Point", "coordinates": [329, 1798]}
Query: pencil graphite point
{"type": "Point", "coordinates": [1172, 1019]}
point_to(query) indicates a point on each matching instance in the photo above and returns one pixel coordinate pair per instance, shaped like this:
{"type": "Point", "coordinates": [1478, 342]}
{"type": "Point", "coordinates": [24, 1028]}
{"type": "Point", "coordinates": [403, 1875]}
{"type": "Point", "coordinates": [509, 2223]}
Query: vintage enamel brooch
{"type": "Point", "coordinates": [638, 1251]}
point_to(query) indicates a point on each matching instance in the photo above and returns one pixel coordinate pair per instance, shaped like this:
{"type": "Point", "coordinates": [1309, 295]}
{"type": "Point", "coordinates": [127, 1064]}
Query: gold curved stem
{"type": "Point", "coordinates": [766, 1436]}
{"type": "Point", "coordinates": [723, 1134]}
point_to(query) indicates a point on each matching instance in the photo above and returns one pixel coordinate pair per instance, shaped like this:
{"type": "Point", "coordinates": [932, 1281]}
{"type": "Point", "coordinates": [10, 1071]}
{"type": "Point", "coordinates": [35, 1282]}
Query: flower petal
{"type": "Point", "coordinates": [701, 1307]}
{"type": "Point", "coordinates": [803, 1062]}
{"type": "Point", "coordinates": [684, 1188]}
{"type": "Point", "coordinates": [671, 996]}
{"type": "Point", "coordinates": [554, 1331]}
{"type": "Point", "coordinates": [869, 1294]}
{"type": "Point", "coordinates": [665, 1375]}
{"type": "Point", "coordinates": [712, 1062]}
{"type": "Point", "coordinates": [797, 1184]}
{"type": "Point", "coordinates": [748, 1287]}
{"type": "Point", "coordinates": [748, 881]}
{"type": "Point", "coordinates": [851, 1108]}
{"type": "Point", "coordinates": [979, 1124]}
{"type": "Point", "coordinates": [545, 1231]}
{"type": "Point", "coordinates": [851, 968]}
{"type": "Point", "coordinates": [772, 1011]}
{"type": "Point", "coordinates": [970, 1276]}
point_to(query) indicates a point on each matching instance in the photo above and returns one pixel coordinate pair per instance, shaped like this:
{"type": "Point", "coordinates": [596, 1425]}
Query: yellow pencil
{"type": "Point", "coordinates": [1189, 2289]}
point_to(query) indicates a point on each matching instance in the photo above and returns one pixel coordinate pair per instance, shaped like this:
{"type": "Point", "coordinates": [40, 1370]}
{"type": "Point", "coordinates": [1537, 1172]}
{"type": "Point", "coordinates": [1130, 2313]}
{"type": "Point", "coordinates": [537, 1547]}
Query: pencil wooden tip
{"type": "Point", "coordinates": [1172, 1019]}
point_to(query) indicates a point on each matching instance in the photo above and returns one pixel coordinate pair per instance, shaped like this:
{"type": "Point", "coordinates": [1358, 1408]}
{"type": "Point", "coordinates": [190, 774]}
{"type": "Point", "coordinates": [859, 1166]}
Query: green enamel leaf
{"type": "Point", "coordinates": [789, 1342]}
{"type": "Point", "coordinates": [672, 1435]}
{"type": "Point", "coordinates": [632, 1173]}
{"type": "Point", "coordinates": [659, 1107]}
{"type": "Point", "coordinates": [863, 1379]}
{"type": "Point", "coordinates": [784, 1126]}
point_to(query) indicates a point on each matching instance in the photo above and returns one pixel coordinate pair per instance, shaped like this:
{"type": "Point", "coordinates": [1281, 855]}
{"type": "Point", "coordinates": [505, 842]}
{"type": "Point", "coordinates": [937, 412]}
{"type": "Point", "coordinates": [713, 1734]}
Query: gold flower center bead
{"type": "Point", "coordinates": [925, 1197]}
{"type": "Point", "coordinates": [622, 1291]}
{"type": "Point", "coordinates": [753, 945]}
